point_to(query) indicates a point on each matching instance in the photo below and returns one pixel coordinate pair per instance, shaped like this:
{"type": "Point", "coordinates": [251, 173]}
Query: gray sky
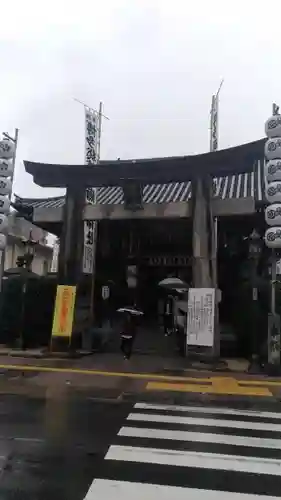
{"type": "Point", "coordinates": [154, 64]}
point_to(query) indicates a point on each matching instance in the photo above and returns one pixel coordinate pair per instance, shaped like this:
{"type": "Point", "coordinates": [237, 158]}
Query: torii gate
{"type": "Point", "coordinates": [132, 175]}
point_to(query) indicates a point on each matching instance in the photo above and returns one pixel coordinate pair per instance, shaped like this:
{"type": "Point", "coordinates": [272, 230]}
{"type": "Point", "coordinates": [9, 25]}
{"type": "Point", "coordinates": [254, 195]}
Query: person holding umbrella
{"type": "Point", "coordinates": [168, 318]}
{"type": "Point", "coordinates": [176, 285]}
{"type": "Point", "coordinates": [128, 329]}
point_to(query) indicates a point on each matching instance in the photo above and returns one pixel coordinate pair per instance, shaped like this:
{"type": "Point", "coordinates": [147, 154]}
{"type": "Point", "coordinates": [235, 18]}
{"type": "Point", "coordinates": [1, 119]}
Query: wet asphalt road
{"type": "Point", "coordinates": [79, 446]}
{"type": "Point", "coordinates": [53, 448]}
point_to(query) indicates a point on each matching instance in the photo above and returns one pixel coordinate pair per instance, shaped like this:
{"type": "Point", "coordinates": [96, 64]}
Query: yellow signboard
{"type": "Point", "coordinates": [64, 311]}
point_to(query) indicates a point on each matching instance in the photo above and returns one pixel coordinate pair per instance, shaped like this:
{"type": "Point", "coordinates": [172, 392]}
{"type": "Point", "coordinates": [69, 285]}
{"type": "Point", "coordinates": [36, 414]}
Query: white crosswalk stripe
{"type": "Point", "coordinates": [195, 453]}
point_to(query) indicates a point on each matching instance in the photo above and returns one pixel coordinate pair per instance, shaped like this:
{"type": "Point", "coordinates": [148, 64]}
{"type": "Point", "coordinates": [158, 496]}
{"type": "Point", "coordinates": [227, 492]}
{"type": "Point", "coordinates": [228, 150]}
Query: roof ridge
{"type": "Point", "coordinates": [53, 198]}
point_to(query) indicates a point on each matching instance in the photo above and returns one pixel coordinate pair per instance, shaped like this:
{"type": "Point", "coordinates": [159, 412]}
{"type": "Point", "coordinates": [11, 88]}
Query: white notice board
{"type": "Point", "coordinates": [200, 317]}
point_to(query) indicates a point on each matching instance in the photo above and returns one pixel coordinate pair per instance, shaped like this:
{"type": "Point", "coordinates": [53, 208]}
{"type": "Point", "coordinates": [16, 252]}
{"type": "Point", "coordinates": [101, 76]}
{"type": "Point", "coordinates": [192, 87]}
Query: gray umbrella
{"type": "Point", "coordinates": [173, 284]}
{"type": "Point", "coordinates": [130, 310]}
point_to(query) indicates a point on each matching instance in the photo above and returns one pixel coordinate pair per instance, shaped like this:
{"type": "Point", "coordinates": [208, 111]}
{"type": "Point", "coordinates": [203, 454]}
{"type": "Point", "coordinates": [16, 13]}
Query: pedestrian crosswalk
{"type": "Point", "coordinates": [193, 452]}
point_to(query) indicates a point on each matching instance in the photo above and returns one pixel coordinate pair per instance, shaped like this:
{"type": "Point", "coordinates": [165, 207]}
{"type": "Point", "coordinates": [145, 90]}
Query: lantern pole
{"type": "Point", "coordinates": [273, 232]}
{"type": "Point", "coordinates": [275, 112]}
{"type": "Point", "coordinates": [15, 141]}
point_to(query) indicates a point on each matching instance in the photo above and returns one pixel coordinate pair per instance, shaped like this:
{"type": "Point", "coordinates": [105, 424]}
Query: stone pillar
{"type": "Point", "coordinates": [204, 246]}
{"type": "Point", "coordinates": [70, 258]}
{"type": "Point", "coordinates": [71, 239]}
{"type": "Point", "coordinates": [201, 235]}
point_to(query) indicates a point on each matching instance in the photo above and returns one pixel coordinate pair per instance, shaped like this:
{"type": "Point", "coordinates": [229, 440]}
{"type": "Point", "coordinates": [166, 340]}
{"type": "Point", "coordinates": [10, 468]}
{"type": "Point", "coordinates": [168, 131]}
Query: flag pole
{"type": "Point", "coordinates": [214, 138]}
{"type": "Point", "coordinates": [93, 275]}
{"type": "Point", "coordinates": [99, 115]}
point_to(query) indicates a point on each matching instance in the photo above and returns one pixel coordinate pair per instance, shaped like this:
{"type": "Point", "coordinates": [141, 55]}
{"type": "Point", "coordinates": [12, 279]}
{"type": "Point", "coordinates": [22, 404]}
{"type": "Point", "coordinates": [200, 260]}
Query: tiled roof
{"type": "Point", "coordinates": [232, 186]}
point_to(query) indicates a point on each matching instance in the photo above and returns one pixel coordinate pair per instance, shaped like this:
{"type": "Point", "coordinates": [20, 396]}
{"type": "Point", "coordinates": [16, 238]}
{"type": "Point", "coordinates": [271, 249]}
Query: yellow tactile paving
{"type": "Point", "coordinates": [211, 385]}
{"type": "Point", "coordinates": [219, 385]}
{"type": "Point", "coordinates": [103, 373]}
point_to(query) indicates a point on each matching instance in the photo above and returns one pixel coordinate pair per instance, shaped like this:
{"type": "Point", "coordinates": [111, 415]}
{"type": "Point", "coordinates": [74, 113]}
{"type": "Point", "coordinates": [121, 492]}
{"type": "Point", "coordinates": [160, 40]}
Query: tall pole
{"type": "Point", "coordinates": [15, 141]}
{"type": "Point", "coordinates": [214, 137]}
{"type": "Point", "coordinates": [100, 128]}
{"type": "Point", "coordinates": [93, 275]}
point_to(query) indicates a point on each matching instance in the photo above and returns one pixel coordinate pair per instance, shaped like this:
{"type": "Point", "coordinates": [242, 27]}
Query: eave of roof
{"type": "Point", "coordinates": [226, 187]}
{"type": "Point", "coordinates": [233, 160]}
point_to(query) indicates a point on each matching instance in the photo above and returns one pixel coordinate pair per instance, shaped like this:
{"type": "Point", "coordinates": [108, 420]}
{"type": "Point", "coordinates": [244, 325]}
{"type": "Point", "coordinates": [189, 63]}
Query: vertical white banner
{"type": "Point", "coordinates": [214, 123]}
{"type": "Point", "coordinates": [55, 257]}
{"type": "Point", "coordinates": [91, 158]}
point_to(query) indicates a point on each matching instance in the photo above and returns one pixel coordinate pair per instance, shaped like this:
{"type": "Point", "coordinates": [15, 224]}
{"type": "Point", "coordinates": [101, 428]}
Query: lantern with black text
{"type": "Point", "coordinates": [7, 149]}
{"type": "Point", "coordinates": [273, 126]}
{"type": "Point", "coordinates": [272, 237]}
{"type": "Point", "coordinates": [273, 214]}
{"type": "Point", "coordinates": [6, 168]}
{"type": "Point", "coordinates": [273, 170]}
{"type": "Point", "coordinates": [272, 151]}
{"type": "Point", "coordinates": [7, 152]}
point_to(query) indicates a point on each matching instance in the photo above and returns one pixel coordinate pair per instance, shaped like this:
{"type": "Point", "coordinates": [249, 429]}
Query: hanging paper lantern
{"type": "Point", "coordinates": [6, 168]}
{"type": "Point", "coordinates": [273, 170]}
{"type": "Point", "coordinates": [272, 149]}
{"type": "Point", "coordinates": [273, 214]}
{"type": "Point", "coordinates": [273, 126]}
{"type": "Point", "coordinates": [273, 192]}
{"type": "Point", "coordinates": [4, 205]}
{"type": "Point", "coordinates": [7, 149]}
{"type": "Point", "coordinates": [5, 186]}
{"type": "Point", "coordinates": [272, 237]}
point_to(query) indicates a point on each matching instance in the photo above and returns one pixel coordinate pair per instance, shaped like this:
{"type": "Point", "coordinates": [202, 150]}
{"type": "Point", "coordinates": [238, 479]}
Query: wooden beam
{"type": "Point", "coordinates": [181, 209]}
{"type": "Point", "coordinates": [149, 211]}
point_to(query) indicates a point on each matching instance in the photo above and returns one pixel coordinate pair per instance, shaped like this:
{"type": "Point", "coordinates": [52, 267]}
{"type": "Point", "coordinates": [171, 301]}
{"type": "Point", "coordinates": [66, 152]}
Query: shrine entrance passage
{"type": "Point", "coordinates": [157, 249]}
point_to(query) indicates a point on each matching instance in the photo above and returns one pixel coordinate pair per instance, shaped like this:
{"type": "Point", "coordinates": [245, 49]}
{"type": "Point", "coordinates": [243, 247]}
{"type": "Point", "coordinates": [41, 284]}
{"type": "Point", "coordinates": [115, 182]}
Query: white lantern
{"type": "Point", "coordinates": [272, 148]}
{"type": "Point", "coordinates": [273, 126]}
{"type": "Point", "coordinates": [273, 214]}
{"type": "Point", "coordinates": [5, 185]}
{"type": "Point", "coordinates": [6, 168]}
{"type": "Point", "coordinates": [273, 170]}
{"type": "Point", "coordinates": [273, 192]}
{"type": "Point", "coordinates": [3, 223]}
{"type": "Point", "coordinates": [4, 205]}
{"type": "Point", "coordinates": [272, 237]}
{"type": "Point", "coordinates": [3, 242]}
{"type": "Point", "coordinates": [7, 149]}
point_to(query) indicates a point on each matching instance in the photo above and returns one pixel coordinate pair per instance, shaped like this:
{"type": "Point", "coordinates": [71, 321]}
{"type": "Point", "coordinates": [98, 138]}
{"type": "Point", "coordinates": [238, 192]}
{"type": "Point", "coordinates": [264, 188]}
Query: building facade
{"type": "Point", "coordinates": [21, 230]}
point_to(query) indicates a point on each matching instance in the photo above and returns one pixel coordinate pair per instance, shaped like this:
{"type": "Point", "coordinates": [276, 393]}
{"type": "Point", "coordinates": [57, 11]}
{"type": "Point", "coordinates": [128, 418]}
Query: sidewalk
{"type": "Point", "coordinates": [114, 362]}
{"type": "Point", "coordinates": [142, 365]}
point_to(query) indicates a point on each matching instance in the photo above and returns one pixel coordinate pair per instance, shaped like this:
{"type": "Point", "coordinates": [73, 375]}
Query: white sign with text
{"type": "Point", "coordinates": [200, 317]}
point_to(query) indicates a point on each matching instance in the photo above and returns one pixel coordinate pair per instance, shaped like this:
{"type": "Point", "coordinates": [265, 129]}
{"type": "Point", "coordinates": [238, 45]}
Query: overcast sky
{"type": "Point", "coordinates": [154, 63]}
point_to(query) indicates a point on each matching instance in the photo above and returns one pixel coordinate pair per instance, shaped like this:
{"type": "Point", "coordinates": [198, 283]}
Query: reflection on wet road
{"type": "Point", "coordinates": [51, 448]}
{"type": "Point", "coordinates": [71, 445]}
